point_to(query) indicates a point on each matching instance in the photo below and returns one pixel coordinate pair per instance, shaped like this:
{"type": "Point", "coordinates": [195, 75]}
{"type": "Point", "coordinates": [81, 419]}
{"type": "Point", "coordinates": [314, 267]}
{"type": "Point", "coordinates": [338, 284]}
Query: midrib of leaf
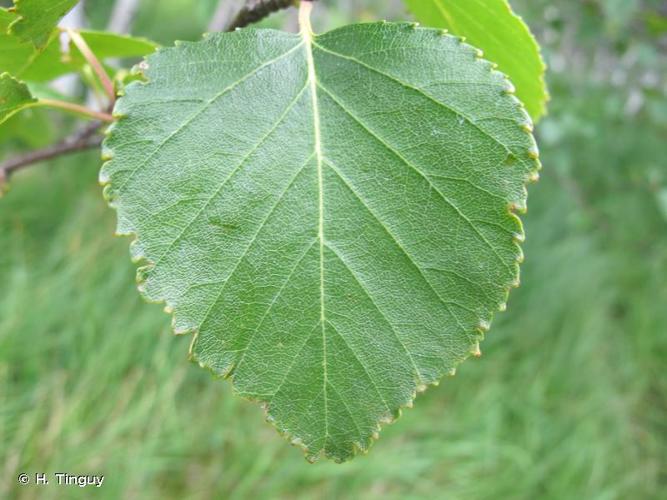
{"type": "Point", "coordinates": [307, 35]}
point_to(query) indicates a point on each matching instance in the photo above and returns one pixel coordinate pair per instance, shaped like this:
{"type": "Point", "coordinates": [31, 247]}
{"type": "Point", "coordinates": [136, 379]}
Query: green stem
{"type": "Point", "coordinates": [94, 63]}
{"type": "Point", "coordinates": [75, 108]}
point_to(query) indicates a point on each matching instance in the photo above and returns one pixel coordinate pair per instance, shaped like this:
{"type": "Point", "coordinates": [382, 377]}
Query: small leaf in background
{"type": "Point", "coordinates": [503, 37]}
{"type": "Point", "coordinates": [24, 61]}
{"type": "Point", "coordinates": [37, 18]}
{"type": "Point", "coordinates": [14, 96]}
{"type": "Point", "coordinates": [107, 45]}
{"type": "Point", "coordinates": [33, 128]}
{"type": "Point", "coordinates": [331, 216]}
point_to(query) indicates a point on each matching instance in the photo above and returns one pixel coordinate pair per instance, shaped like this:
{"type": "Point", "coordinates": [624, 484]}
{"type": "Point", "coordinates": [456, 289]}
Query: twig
{"type": "Point", "coordinates": [256, 10]}
{"type": "Point", "coordinates": [84, 138]}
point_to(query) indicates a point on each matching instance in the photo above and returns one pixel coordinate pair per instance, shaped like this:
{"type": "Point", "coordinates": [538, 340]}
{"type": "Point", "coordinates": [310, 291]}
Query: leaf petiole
{"type": "Point", "coordinates": [74, 108]}
{"type": "Point", "coordinates": [305, 9]}
{"type": "Point", "coordinates": [94, 62]}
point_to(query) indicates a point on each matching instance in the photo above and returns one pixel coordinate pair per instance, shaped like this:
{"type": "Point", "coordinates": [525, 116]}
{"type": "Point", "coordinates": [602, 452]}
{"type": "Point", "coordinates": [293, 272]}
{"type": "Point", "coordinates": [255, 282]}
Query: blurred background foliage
{"type": "Point", "coordinates": [569, 400]}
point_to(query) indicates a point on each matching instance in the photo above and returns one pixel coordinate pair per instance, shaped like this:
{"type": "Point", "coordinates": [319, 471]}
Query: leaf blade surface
{"type": "Point", "coordinates": [492, 26]}
{"type": "Point", "coordinates": [14, 96]}
{"type": "Point", "coordinates": [37, 18]}
{"type": "Point", "coordinates": [329, 216]}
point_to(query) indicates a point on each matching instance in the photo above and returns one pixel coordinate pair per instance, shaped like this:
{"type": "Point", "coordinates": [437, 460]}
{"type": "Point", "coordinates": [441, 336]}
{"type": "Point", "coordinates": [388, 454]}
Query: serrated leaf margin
{"type": "Point", "coordinates": [513, 209]}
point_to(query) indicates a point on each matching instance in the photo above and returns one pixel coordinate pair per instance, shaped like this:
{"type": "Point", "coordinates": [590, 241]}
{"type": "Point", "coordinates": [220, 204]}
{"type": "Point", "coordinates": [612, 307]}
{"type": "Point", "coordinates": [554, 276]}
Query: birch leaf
{"type": "Point", "coordinates": [330, 216]}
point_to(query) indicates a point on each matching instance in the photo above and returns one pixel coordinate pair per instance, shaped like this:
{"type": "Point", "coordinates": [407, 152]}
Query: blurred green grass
{"type": "Point", "coordinates": [569, 400]}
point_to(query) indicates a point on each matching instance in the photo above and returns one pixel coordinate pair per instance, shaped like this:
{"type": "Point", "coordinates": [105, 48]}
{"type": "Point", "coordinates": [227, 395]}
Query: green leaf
{"type": "Point", "coordinates": [6, 18]}
{"type": "Point", "coordinates": [14, 96]}
{"type": "Point", "coordinates": [503, 36]}
{"type": "Point", "coordinates": [32, 128]}
{"type": "Point", "coordinates": [22, 60]}
{"type": "Point", "coordinates": [331, 217]}
{"type": "Point", "coordinates": [37, 18]}
{"type": "Point", "coordinates": [107, 45]}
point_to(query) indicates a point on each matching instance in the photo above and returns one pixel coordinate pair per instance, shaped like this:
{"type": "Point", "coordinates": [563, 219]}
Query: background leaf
{"type": "Point", "coordinates": [503, 36]}
{"type": "Point", "coordinates": [23, 60]}
{"type": "Point", "coordinates": [6, 18]}
{"type": "Point", "coordinates": [107, 45]}
{"type": "Point", "coordinates": [333, 219]}
{"type": "Point", "coordinates": [37, 18]}
{"type": "Point", "coordinates": [33, 128]}
{"type": "Point", "coordinates": [14, 96]}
